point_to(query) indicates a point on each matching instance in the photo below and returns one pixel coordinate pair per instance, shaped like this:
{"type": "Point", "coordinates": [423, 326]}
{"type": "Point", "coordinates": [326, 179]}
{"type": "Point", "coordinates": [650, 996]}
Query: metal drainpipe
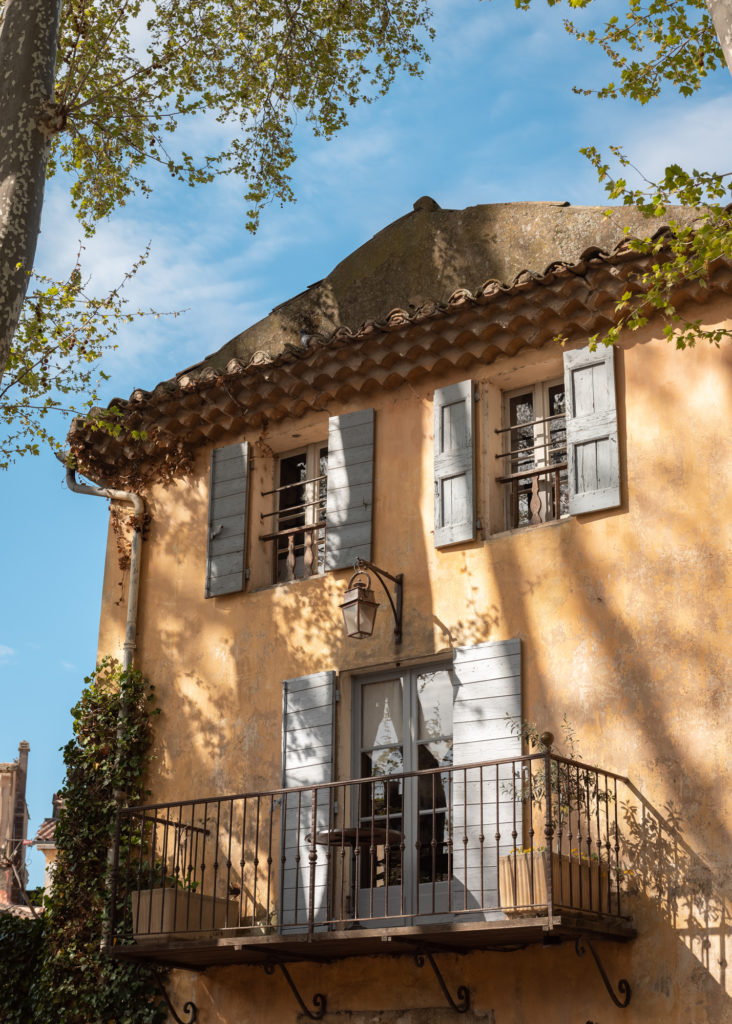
{"type": "Point", "coordinates": [128, 650]}
{"type": "Point", "coordinates": [134, 587]}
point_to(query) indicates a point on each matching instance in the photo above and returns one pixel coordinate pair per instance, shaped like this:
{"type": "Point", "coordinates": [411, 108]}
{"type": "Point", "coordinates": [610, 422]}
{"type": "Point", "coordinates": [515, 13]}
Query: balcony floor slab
{"type": "Point", "coordinates": [227, 946]}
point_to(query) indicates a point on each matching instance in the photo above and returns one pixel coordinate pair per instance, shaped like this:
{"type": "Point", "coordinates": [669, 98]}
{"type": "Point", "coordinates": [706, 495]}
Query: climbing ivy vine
{"type": "Point", "coordinates": [54, 972]}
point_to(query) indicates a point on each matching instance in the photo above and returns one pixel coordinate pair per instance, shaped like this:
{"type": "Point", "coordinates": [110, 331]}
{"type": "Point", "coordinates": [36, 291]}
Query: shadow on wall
{"type": "Point", "coordinates": [665, 878]}
{"type": "Point", "coordinates": [632, 617]}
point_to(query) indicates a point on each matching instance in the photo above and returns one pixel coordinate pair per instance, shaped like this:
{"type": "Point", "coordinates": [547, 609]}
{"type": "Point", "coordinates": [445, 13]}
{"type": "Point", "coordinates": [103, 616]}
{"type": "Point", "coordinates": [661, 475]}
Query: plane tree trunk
{"type": "Point", "coordinates": [28, 119]}
{"type": "Point", "coordinates": [721, 14]}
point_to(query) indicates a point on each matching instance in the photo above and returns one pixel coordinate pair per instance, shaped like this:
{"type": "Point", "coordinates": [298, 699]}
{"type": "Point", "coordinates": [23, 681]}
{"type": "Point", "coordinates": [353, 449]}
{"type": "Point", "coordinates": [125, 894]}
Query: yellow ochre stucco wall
{"type": "Point", "coordinates": [623, 618]}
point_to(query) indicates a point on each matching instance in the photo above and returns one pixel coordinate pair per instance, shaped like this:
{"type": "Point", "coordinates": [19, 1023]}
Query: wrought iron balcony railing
{"type": "Point", "coordinates": [491, 841]}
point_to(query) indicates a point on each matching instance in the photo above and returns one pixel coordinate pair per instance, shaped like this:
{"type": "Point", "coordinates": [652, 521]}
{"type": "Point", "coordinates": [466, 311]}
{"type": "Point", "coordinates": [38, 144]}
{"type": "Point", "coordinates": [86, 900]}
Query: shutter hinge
{"type": "Point", "coordinates": [247, 573]}
{"type": "Point", "coordinates": [337, 694]}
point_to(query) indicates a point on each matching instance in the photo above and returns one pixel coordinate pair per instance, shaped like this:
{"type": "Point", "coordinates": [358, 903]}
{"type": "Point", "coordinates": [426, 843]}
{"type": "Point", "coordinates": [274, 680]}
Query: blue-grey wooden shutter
{"type": "Point", "coordinates": [486, 801]}
{"type": "Point", "coordinates": [350, 488]}
{"type": "Point", "coordinates": [592, 430]}
{"type": "Point", "coordinates": [454, 491]}
{"type": "Point", "coordinates": [308, 722]}
{"type": "Point", "coordinates": [227, 519]}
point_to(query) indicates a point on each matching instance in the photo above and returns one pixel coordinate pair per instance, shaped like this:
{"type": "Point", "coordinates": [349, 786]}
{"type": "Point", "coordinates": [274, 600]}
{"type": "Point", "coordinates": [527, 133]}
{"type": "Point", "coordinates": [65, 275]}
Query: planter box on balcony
{"type": "Point", "coordinates": [575, 885]}
{"type": "Point", "coordinates": [175, 911]}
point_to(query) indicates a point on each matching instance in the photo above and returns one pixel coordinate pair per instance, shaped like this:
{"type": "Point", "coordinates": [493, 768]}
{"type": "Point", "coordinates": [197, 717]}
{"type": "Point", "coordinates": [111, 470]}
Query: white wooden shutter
{"type": "Point", "coordinates": [308, 723]}
{"type": "Point", "coordinates": [227, 519]}
{"type": "Point", "coordinates": [485, 801]}
{"type": "Point", "coordinates": [350, 488]}
{"type": "Point", "coordinates": [592, 430]}
{"type": "Point", "coordinates": [454, 490]}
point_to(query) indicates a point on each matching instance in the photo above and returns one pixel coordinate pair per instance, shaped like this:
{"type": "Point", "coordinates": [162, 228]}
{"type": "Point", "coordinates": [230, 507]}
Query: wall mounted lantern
{"type": "Point", "coordinates": [359, 607]}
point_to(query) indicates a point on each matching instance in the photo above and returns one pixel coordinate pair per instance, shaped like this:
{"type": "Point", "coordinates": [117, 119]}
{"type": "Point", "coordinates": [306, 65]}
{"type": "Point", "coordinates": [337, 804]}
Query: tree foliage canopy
{"type": "Point", "coordinates": [146, 83]}
{"type": "Point", "coordinates": [53, 366]}
{"type": "Point", "coordinates": [130, 75]}
{"type": "Point", "coordinates": [219, 87]}
{"type": "Point", "coordinates": [654, 43]}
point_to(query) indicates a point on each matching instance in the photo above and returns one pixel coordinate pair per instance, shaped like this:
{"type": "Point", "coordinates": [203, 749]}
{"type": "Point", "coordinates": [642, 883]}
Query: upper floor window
{"type": "Point", "coordinates": [312, 505]}
{"type": "Point", "coordinates": [299, 514]}
{"type": "Point", "coordinates": [552, 453]}
{"type": "Point", "coordinates": [534, 460]}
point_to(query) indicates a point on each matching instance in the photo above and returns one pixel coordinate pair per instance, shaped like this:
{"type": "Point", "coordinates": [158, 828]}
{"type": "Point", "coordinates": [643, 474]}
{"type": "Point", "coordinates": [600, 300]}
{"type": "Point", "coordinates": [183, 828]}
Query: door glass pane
{"type": "Point", "coordinates": [380, 820]}
{"type": "Point", "coordinates": [432, 847]}
{"type": "Point", "coordinates": [404, 823]}
{"type": "Point", "coordinates": [433, 787]}
{"type": "Point", "coordinates": [381, 714]}
{"type": "Point", "coordinates": [434, 704]}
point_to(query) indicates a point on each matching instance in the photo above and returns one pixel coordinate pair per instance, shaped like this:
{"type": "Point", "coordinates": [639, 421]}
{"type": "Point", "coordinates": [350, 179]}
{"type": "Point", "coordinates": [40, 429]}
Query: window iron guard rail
{"type": "Point", "coordinates": [534, 448]}
{"type": "Point", "coordinates": [484, 841]}
{"type": "Point", "coordinates": [296, 483]}
{"type": "Point", "coordinates": [313, 538]}
{"type": "Point", "coordinates": [312, 534]}
{"type": "Point", "coordinates": [530, 423]}
{"type": "Point", "coordinates": [543, 507]}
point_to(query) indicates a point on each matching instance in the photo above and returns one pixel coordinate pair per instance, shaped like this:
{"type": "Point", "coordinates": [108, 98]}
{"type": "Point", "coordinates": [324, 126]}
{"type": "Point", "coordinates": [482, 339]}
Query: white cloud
{"type": "Point", "coordinates": [6, 653]}
{"type": "Point", "coordinates": [696, 137]}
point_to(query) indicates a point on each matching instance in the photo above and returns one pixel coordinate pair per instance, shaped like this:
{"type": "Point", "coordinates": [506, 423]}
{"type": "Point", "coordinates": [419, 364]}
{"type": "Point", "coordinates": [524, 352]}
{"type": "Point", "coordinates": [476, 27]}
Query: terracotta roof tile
{"type": "Point", "coordinates": [203, 403]}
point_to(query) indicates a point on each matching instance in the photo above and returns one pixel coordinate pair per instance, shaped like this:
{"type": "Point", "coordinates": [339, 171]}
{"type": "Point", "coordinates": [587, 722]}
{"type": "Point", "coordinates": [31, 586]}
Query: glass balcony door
{"type": "Point", "coordinates": [403, 724]}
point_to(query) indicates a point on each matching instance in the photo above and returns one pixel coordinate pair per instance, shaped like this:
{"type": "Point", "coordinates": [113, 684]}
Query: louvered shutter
{"type": "Point", "coordinates": [592, 430]}
{"type": "Point", "coordinates": [454, 491]}
{"type": "Point", "coordinates": [350, 488]}
{"type": "Point", "coordinates": [487, 704]}
{"type": "Point", "coordinates": [308, 722]}
{"type": "Point", "coordinates": [227, 520]}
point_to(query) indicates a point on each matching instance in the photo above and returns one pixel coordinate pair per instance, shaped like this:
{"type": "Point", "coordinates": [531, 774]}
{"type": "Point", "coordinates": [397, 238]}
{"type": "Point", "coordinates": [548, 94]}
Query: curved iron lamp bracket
{"type": "Point", "coordinates": [463, 993]}
{"type": "Point", "coordinates": [189, 1008]}
{"type": "Point", "coordinates": [361, 565]}
{"type": "Point", "coordinates": [623, 983]}
{"type": "Point", "coordinates": [319, 1001]}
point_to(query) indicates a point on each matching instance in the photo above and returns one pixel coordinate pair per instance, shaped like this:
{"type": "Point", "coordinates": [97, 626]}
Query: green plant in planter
{"type": "Point", "coordinates": [574, 790]}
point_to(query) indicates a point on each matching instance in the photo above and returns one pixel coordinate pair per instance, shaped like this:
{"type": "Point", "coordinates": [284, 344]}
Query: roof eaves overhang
{"type": "Point", "coordinates": [572, 301]}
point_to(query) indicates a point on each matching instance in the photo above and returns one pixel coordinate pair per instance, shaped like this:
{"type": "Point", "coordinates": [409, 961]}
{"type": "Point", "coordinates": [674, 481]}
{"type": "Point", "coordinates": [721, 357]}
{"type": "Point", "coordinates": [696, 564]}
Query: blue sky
{"type": "Point", "coordinates": [492, 120]}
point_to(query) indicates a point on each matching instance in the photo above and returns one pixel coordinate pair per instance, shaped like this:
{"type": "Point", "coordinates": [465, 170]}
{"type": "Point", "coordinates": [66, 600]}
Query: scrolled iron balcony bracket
{"type": "Point", "coordinates": [463, 992]}
{"type": "Point", "coordinates": [189, 1008]}
{"type": "Point", "coordinates": [319, 1000]}
{"type": "Point", "coordinates": [623, 984]}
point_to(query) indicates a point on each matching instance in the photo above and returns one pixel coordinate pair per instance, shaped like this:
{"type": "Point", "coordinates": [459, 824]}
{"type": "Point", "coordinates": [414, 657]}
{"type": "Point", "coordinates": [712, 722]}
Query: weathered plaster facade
{"type": "Point", "coordinates": [623, 625]}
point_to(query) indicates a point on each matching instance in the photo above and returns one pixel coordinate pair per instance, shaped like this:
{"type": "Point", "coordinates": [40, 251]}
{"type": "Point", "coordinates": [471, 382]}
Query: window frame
{"type": "Point", "coordinates": [313, 527]}
{"type": "Point", "coordinates": [547, 498]}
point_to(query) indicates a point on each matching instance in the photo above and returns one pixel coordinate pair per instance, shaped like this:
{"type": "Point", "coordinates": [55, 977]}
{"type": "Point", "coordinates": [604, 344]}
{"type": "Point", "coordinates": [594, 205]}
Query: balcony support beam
{"type": "Point", "coordinates": [463, 993]}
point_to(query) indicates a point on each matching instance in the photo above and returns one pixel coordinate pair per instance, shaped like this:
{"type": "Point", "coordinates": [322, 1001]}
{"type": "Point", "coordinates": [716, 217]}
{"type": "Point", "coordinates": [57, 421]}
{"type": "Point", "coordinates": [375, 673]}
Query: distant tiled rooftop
{"type": "Point", "coordinates": [15, 909]}
{"type": "Point", "coordinates": [46, 831]}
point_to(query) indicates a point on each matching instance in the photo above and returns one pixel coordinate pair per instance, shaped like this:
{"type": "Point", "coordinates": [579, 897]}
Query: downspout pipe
{"type": "Point", "coordinates": [138, 506]}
